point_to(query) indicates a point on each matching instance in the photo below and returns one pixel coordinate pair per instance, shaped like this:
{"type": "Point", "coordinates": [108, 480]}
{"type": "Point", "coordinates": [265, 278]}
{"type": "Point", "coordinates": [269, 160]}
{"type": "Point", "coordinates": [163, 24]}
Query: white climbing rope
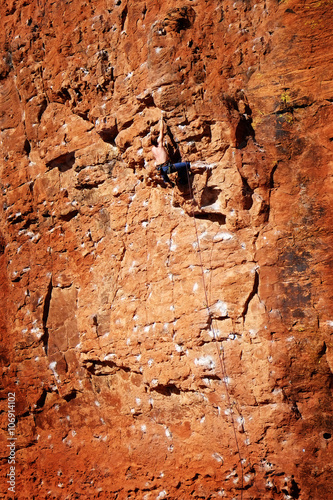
{"type": "Point", "coordinates": [220, 350]}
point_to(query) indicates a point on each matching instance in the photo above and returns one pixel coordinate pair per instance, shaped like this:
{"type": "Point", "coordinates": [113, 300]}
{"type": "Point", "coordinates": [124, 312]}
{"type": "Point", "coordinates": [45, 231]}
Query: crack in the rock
{"type": "Point", "coordinates": [46, 309]}
{"type": "Point", "coordinates": [124, 17]}
{"type": "Point", "coordinates": [89, 185]}
{"type": "Point", "coordinates": [253, 292]}
{"type": "Point", "coordinates": [95, 367]}
{"type": "Point", "coordinates": [71, 395]}
{"type": "Point", "coordinates": [166, 390]}
{"type": "Point", "coordinates": [289, 108]}
{"type": "Point", "coordinates": [117, 272]}
{"type": "Point", "coordinates": [69, 216]}
{"type": "Point", "coordinates": [247, 193]}
{"type": "Point", "coordinates": [170, 389]}
{"type": "Point", "coordinates": [41, 400]}
{"type": "Point", "coordinates": [271, 177]}
{"type": "Point", "coordinates": [63, 162]}
{"type": "Point", "coordinates": [212, 217]}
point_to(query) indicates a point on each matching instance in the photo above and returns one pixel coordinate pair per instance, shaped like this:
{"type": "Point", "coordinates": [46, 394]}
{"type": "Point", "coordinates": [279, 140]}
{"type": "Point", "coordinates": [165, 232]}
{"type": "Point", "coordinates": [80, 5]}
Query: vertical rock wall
{"type": "Point", "coordinates": [167, 343]}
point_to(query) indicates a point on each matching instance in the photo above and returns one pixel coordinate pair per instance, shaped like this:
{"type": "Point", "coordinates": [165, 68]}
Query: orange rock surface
{"type": "Point", "coordinates": [167, 343]}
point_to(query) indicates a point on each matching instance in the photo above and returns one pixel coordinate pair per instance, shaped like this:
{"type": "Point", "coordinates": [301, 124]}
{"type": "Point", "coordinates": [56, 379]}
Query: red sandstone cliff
{"type": "Point", "coordinates": [127, 386]}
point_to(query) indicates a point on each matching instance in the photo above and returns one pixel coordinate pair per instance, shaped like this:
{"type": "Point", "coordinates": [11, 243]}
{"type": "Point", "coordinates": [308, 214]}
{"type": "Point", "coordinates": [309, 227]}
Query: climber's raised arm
{"type": "Point", "coordinates": [161, 136]}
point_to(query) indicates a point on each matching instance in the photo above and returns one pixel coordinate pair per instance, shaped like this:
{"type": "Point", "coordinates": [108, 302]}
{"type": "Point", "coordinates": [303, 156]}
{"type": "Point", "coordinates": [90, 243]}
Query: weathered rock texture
{"type": "Point", "coordinates": [128, 386]}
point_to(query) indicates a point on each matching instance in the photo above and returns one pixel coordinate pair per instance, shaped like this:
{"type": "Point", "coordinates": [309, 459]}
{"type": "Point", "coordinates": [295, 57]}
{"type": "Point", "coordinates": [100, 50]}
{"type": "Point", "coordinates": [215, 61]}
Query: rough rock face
{"type": "Point", "coordinates": [167, 343]}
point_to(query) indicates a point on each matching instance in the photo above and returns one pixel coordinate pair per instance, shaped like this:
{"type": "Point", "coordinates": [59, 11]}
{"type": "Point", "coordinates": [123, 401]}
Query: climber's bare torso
{"type": "Point", "coordinates": [159, 152]}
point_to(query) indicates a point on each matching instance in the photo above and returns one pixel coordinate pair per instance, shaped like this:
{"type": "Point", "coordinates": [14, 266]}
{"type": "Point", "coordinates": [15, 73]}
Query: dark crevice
{"type": "Point", "coordinates": [212, 377]}
{"type": "Point", "coordinates": [196, 476]}
{"type": "Point", "coordinates": [230, 102]}
{"type": "Point", "coordinates": [15, 218]}
{"type": "Point", "coordinates": [29, 222]}
{"type": "Point", "coordinates": [271, 177]}
{"type": "Point", "coordinates": [63, 163]}
{"type": "Point", "coordinates": [322, 350]}
{"type": "Point", "coordinates": [167, 390]}
{"type": "Point", "coordinates": [18, 218]}
{"type": "Point", "coordinates": [294, 489]}
{"type": "Point", "coordinates": [244, 131]}
{"type": "Point", "coordinates": [64, 95]}
{"type": "Point", "coordinates": [247, 193]}
{"type": "Point", "coordinates": [146, 100]}
{"type": "Point", "coordinates": [2, 245]}
{"type": "Point", "coordinates": [180, 19]}
{"type": "Point", "coordinates": [78, 95]}
{"type": "Point", "coordinates": [95, 367]}
{"type": "Point", "coordinates": [95, 323]}
{"type": "Point", "coordinates": [289, 108]}
{"type": "Point", "coordinates": [89, 185]}
{"type": "Point", "coordinates": [83, 115]}
{"type": "Point", "coordinates": [297, 414]}
{"type": "Point", "coordinates": [123, 17]}
{"type": "Point", "coordinates": [109, 135]}
{"type": "Point", "coordinates": [27, 147]}
{"type": "Point", "coordinates": [213, 217]}
{"type": "Point", "coordinates": [41, 401]}
{"type": "Point", "coordinates": [41, 110]}
{"type": "Point", "coordinates": [69, 216]}
{"type": "Point", "coordinates": [72, 395]}
{"type": "Point", "coordinates": [182, 24]}
{"type": "Point", "coordinates": [252, 294]}
{"type": "Point", "coordinates": [170, 389]}
{"type": "Point", "coordinates": [46, 310]}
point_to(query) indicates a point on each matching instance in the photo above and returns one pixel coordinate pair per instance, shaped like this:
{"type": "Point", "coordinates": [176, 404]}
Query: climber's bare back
{"type": "Point", "coordinates": [160, 154]}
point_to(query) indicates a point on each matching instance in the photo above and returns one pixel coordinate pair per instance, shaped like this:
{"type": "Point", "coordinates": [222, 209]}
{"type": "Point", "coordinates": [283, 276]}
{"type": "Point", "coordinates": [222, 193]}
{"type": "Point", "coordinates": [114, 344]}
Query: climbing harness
{"type": "Point", "coordinates": [163, 165]}
{"type": "Point", "coordinates": [220, 351]}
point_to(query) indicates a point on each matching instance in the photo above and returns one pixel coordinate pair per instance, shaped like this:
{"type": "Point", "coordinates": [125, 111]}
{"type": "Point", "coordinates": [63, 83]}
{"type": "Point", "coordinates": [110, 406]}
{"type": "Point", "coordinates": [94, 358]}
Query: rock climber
{"type": "Point", "coordinates": [163, 163]}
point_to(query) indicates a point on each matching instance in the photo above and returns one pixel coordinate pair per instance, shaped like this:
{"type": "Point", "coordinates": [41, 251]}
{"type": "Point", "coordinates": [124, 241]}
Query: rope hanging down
{"type": "Point", "coordinates": [220, 350]}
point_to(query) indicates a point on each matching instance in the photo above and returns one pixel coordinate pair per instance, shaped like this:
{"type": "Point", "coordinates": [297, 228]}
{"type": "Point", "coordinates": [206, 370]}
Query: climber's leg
{"type": "Point", "coordinates": [183, 165]}
{"type": "Point", "coordinates": [182, 169]}
{"type": "Point", "coordinates": [166, 169]}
